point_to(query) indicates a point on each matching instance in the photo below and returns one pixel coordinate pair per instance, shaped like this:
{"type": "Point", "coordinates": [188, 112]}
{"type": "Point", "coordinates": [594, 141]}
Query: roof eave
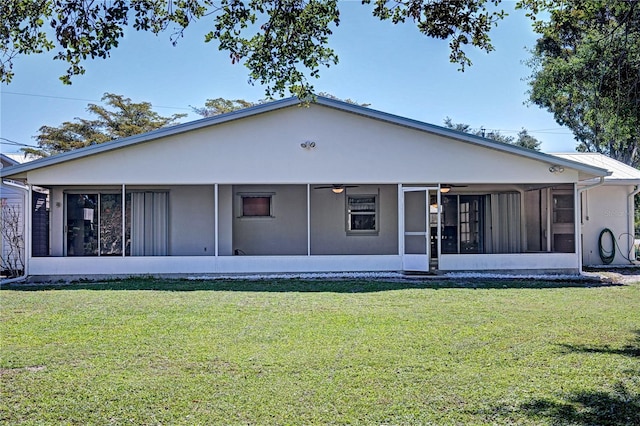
{"type": "Point", "coordinates": [12, 171]}
{"type": "Point", "coordinates": [586, 171]}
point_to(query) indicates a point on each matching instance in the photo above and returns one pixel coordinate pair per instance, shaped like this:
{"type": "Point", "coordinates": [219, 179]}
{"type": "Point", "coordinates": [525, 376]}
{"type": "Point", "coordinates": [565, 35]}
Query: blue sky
{"type": "Point", "coordinates": [392, 67]}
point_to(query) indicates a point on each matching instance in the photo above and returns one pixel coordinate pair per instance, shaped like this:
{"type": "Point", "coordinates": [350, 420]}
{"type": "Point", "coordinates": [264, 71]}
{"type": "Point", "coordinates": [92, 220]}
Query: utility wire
{"type": "Point", "coordinates": [81, 99]}
{"type": "Point", "coordinates": [5, 141]}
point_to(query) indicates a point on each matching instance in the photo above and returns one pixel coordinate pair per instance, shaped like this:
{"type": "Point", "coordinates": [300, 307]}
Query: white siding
{"type": "Point", "coordinates": [606, 207]}
{"type": "Point", "coordinates": [14, 200]}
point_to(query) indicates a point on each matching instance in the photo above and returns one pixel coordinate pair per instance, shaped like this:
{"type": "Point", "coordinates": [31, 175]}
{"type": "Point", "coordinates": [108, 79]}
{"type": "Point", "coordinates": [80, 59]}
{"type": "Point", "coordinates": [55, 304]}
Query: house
{"type": "Point", "coordinates": [12, 201]}
{"type": "Point", "coordinates": [328, 186]}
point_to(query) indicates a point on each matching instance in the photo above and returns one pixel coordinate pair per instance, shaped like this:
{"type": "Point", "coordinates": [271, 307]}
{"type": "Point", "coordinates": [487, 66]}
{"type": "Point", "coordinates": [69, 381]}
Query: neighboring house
{"type": "Point", "coordinates": [14, 195]}
{"type": "Point", "coordinates": [328, 187]}
{"type": "Point", "coordinates": [12, 201]}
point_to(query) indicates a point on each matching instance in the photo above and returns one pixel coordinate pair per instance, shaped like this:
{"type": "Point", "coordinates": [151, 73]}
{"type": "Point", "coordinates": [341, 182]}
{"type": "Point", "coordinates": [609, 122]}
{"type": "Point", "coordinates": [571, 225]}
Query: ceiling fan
{"type": "Point", "coordinates": [336, 188]}
{"type": "Point", "coordinates": [446, 188]}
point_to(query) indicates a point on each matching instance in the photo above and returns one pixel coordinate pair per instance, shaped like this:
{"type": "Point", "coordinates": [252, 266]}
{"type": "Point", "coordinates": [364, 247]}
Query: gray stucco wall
{"type": "Point", "coordinates": [328, 222]}
{"type": "Point", "coordinates": [285, 233]}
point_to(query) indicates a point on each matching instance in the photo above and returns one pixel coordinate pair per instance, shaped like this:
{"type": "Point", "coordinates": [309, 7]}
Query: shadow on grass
{"type": "Point", "coordinates": [618, 407]}
{"type": "Point", "coordinates": [622, 271]}
{"type": "Point", "coordinates": [632, 350]}
{"type": "Point", "coordinates": [304, 285]}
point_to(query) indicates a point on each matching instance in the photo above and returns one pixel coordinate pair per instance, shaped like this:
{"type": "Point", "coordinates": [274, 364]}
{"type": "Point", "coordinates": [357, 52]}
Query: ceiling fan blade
{"type": "Point", "coordinates": [335, 186]}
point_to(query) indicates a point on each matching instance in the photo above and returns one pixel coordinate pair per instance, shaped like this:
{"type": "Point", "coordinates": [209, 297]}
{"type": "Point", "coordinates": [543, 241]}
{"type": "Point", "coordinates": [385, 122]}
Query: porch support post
{"type": "Point", "coordinates": [549, 204]}
{"type": "Point", "coordinates": [308, 220]}
{"type": "Point", "coordinates": [439, 223]}
{"type": "Point", "coordinates": [216, 219]}
{"type": "Point", "coordinates": [400, 220]}
{"type": "Point", "coordinates": [28, 229]}
{"type": "Point", "coordinates": [523, 221]}
{"type": "Point", "coordinates": [630, 221]}
{"type": "Point", "coordinates": [577, 218]}
{"type": "Point", "coordinates": [124, 229]}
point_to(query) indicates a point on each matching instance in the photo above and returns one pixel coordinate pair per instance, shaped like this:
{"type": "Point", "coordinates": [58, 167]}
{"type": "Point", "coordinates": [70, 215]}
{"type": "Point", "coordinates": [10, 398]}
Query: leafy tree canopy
{"type": "Point", "coordinates": [219, 106]}
{"type": "Point", "coordinates": [586, 71]}
{"type": "Point", "coordinates": [283, 43]}
{"type": "Point", "coordinates": [120, 118]}
{"type": "Point", "coordinates": [524, 139]}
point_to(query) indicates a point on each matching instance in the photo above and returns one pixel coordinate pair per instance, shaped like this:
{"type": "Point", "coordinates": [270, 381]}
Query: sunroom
{"type": "Point", "coordinates": [305, 227]}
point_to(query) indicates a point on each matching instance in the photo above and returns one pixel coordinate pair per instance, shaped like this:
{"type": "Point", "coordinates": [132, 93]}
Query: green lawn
{"type": "Point", "coordinates": [345, 352]}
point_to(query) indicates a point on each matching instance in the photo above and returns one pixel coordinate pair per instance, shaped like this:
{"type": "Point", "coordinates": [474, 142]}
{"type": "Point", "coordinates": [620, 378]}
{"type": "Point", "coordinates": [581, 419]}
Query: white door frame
{"type": "Point", "coordinates": [416, 262]}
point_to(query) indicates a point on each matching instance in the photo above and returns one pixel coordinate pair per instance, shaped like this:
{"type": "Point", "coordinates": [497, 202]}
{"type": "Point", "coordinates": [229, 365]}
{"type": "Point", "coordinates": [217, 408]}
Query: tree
{"type": "Point", "coordinates": [524, 139]}
{"type": "Point", "coordinates": [348, 100]}
{"type": "Point", "coordinates": [219, 106]}
{"type": "Point", "coordinates": [586, 71]}
{"type": "Point", "coordinates": [283, 43]}
{"type": "Point", "coordinates": [124, 118]}
{"type": "Point", "coordinates": [12, 233]}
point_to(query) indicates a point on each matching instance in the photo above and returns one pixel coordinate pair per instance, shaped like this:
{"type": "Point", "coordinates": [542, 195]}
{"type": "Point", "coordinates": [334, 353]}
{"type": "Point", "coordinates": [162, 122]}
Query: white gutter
{"type": "Point", "coordinates": [586, 188]}
{"type": "Point", "coordinates": [578, 217]}
{"type": "Point", "coordinates": [25, 271]}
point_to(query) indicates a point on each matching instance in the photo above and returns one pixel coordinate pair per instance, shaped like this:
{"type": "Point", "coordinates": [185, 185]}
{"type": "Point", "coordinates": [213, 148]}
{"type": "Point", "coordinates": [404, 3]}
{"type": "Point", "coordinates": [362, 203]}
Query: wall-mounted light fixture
{"type": "Point", "coordinates": [308, 145]}
{"type": "Point", "coordinates": [338, 190]}
{"type": "Point", "coordinates": [445, 188]}
{"type": "Point", "coordinates": [556, 169]}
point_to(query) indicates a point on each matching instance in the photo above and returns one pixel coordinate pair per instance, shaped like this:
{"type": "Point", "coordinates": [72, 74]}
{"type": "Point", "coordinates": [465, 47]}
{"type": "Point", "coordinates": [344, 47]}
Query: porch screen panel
{"type": "Point", "coordinates": [160, 241]}
{"type": "Point", "coordinates": [505, 223]}
{"type": "Point", "coordinates": [137, 224]}
{"type": "Point", "coordinates": [110, 224]}
{"type": "Point", "coordinates": [82, 224]}
{"type": "Point", "coordinates": [149, 223]}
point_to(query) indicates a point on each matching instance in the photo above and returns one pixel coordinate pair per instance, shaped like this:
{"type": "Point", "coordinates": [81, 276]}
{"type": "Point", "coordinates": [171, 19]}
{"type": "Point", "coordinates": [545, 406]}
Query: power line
{"type": "Point", "coordinates": [81, 99]}
{"type": "Point", "coordinates": [6, 141]}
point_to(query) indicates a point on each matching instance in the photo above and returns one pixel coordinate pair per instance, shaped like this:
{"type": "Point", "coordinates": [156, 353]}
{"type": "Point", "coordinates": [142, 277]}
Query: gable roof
{"type": "Point", "coordinates": [7, 161]}
{"type": "Point", "coordinates": [588, 169]}
{"type": "Point", "coordinates": [620, 172]}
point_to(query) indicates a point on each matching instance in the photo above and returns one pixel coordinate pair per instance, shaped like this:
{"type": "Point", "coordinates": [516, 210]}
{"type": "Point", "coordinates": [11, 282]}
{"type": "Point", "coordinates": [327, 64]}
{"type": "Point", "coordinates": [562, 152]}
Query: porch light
{"type": "Point", "coordinates": [445, 189]}
{"type": "Point", "coordinates": [337, 190]}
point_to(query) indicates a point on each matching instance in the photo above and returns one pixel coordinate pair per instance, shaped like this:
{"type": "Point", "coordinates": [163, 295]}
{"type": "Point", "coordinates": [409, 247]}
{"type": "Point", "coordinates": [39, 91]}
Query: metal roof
{"type": "Point", "coordinates": [591, 170]}
{"type": "Point", "coordinates": [620, 172]}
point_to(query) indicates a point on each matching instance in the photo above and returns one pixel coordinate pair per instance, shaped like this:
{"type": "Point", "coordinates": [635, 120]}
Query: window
{"type": "Point", "coordinates": [94, 224]}
{"type": "Point", "coordinates": [563, 208]}
{"type": "Point", "coordinates": [256, 205]}
{"type": "Point", "coordinates": [470, 211]}
{"type": "Point", "coordinates": [562, 229]}
{"type": "Point", "coordinates": [362, 214]}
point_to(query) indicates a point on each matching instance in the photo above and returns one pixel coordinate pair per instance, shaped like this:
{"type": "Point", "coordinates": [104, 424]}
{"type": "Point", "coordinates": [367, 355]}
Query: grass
{"type": "Point", "coordinates": [320, 352]}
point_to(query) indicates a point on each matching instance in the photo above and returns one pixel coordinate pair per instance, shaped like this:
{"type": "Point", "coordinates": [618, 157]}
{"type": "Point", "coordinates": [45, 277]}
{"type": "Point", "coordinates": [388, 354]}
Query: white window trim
{"type": "Point", "coordinates": [362, 232]}
{"type": "Point", "coordinates": [240, 206]}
